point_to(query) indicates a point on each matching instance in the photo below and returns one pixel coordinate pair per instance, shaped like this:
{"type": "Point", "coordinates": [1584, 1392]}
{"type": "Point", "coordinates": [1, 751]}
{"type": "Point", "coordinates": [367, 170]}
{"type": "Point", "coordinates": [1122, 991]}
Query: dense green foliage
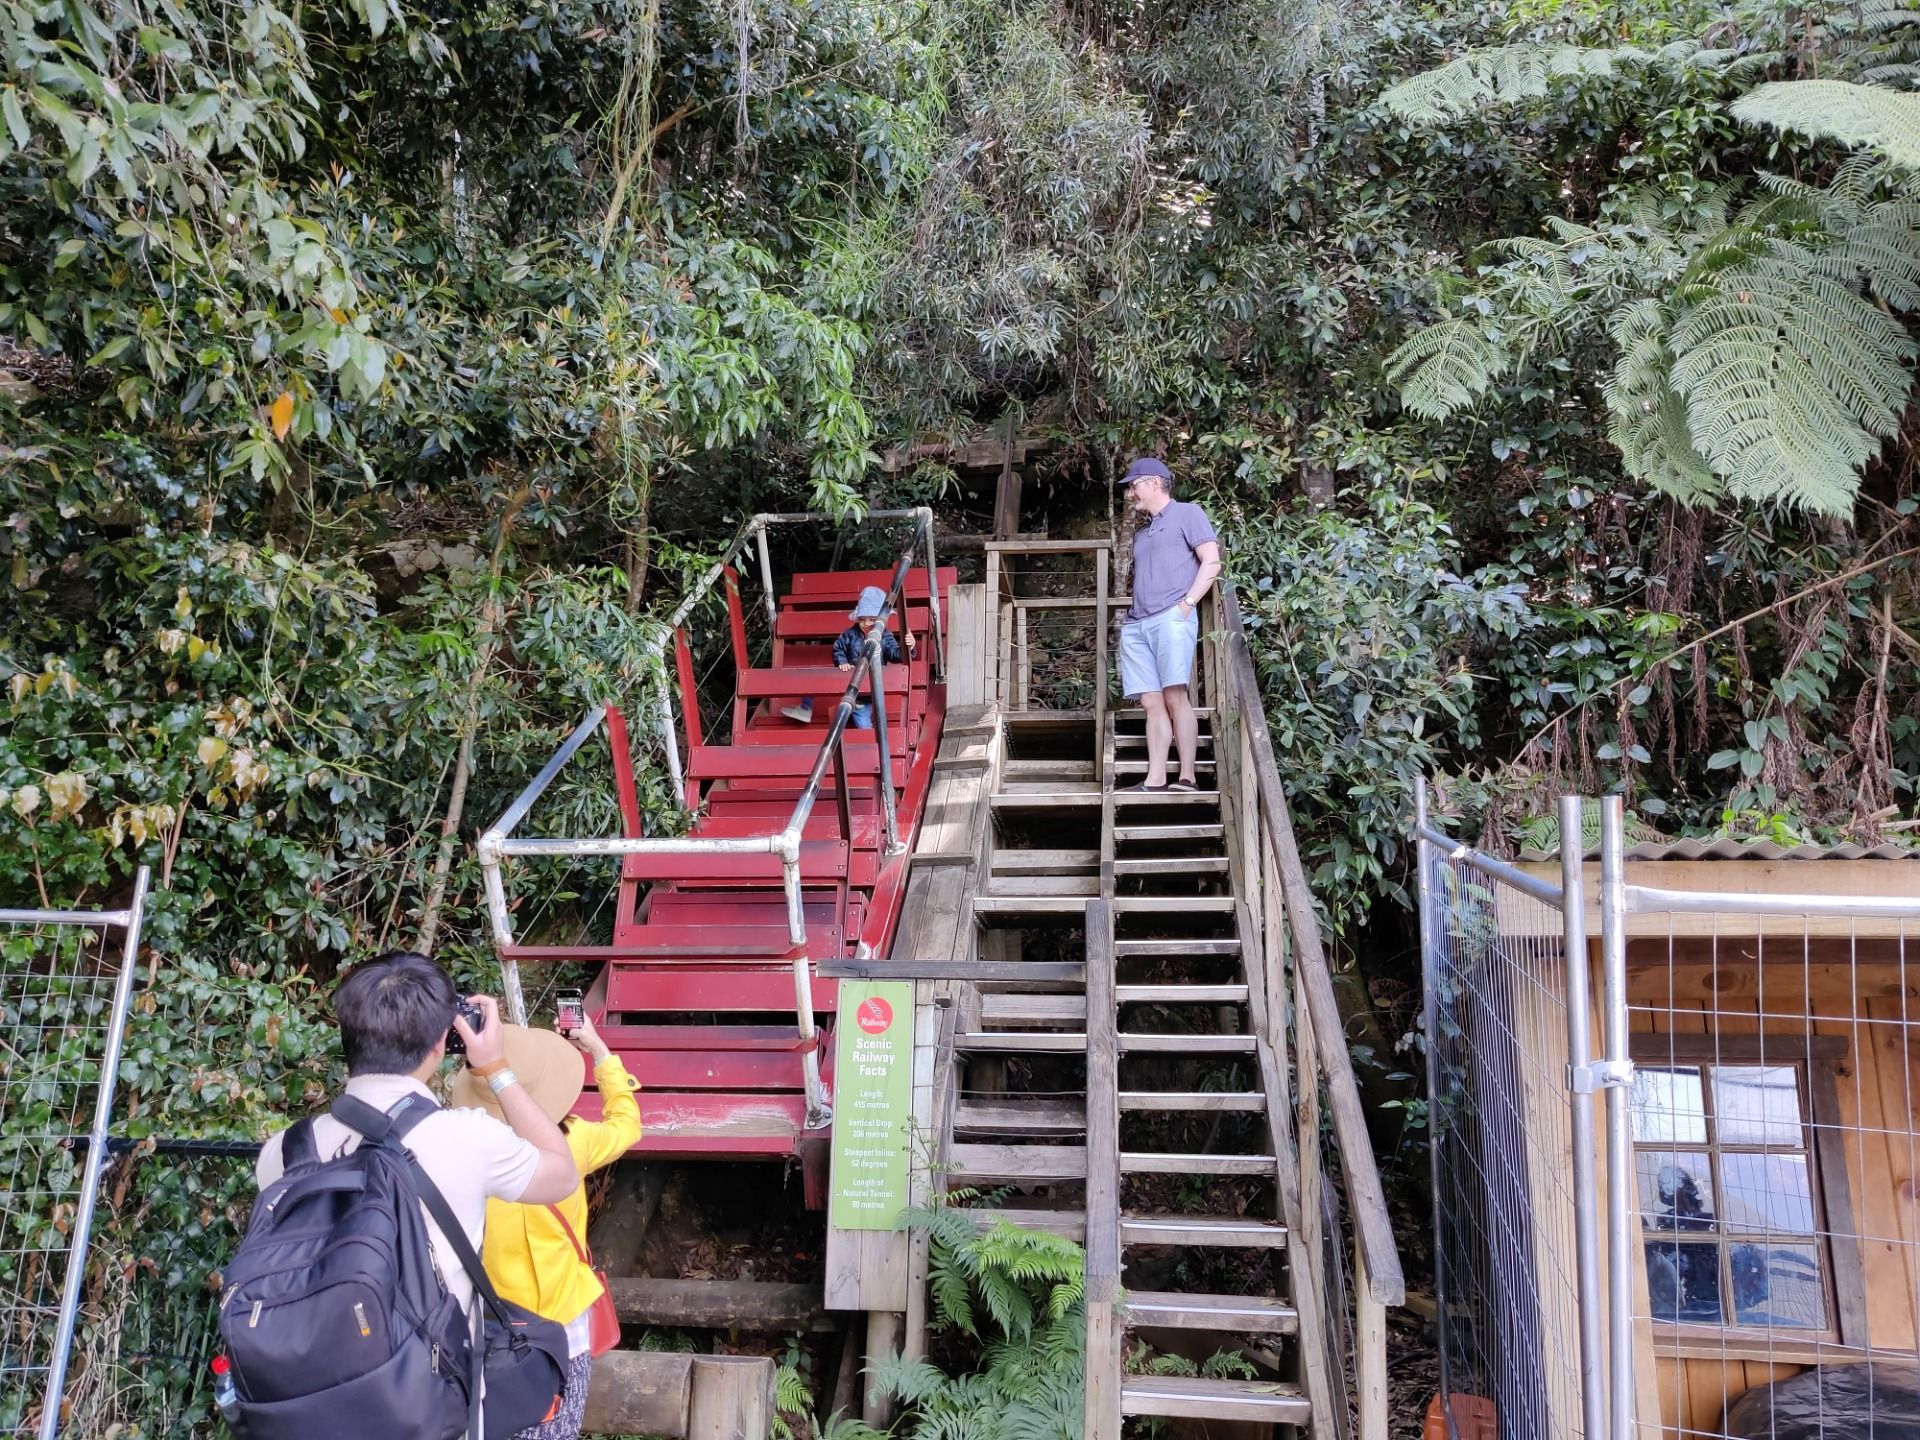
{"type": "Point", "coordinates": [364, 366]}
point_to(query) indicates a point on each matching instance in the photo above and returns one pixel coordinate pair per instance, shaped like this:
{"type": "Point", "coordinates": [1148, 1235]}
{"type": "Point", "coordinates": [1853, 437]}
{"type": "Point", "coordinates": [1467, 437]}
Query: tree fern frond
{"type": "Point", "coordinates": [1790, 378]}
{"type": "Point", "coordinates": [1883, 120]}
{"type": "Point", "coordinates": [1446, 367]}
{"type": "Point", "coordinates": [1500, 75]}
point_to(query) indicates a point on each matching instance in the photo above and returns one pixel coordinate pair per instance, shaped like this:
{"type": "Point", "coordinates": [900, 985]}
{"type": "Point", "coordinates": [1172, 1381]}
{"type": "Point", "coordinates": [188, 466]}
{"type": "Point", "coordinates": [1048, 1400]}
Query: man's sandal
{"type": "Point", "coordinates": [1142, 789]}
{"type": "Point", "coordinates": [1186, 785]}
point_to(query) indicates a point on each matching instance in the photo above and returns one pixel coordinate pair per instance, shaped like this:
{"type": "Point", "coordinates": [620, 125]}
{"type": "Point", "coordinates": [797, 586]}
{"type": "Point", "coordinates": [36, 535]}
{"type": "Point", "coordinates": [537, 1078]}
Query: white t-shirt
{"type": "Point", "coordinates": [468, 1154]}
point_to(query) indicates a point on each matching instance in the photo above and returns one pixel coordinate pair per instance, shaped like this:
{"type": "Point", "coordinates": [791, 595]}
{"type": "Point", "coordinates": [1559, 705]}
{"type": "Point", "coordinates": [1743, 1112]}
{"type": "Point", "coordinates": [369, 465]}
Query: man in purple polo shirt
{"type": "Point", "coordinates": [1175, 559]}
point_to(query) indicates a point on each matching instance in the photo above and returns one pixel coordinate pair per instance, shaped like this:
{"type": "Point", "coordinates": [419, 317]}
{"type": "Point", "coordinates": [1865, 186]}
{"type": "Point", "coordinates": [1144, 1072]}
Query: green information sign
{"type": "Point", "coordinates": [872, 1103]}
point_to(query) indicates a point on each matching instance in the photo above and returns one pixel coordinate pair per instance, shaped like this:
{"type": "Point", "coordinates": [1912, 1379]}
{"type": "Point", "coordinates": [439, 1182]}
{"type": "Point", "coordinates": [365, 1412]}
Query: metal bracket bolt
{"type": "Point", "coordinates": [1600, 1075]}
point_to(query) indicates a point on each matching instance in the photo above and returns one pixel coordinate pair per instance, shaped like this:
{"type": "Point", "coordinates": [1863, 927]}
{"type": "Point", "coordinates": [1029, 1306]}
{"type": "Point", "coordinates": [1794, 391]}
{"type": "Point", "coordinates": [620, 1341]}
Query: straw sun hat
{"type": "Point", "coordinates": [550, 1069]}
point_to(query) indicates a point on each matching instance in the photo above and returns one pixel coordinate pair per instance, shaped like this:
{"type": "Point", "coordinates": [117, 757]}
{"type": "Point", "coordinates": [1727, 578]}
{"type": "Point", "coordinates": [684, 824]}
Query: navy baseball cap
{"type": "Point", "coordinates": [1143, 467]}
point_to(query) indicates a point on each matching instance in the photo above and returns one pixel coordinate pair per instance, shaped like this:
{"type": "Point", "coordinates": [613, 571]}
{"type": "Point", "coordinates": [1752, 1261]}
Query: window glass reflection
{"type": "Point", "coordinates": [1683, 1282]}
{"type": "Point", "coordinates": [1757, 1104]}
{"type": "Point", "coordinates": [1776, 1285]}
{"type": "Point", "coordinates": [1668, 1106]}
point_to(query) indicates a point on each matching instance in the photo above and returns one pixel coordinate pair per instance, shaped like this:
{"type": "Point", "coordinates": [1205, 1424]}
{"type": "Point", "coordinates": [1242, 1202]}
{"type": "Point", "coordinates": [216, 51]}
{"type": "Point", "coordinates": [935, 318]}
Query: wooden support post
{"type": "Point", "coordinates": [732, 1398]}
{"type": "Point", "coordinates": [1370, 1339]}
{"type": "Point", "coordinates": [1103, 1181]}
{"type": "Point", "coordinates": [1023, 683]}
{"type": "Point", "coordinates": [885, 1332]}
{"type": "Point", "coordinates": [1101, 630]}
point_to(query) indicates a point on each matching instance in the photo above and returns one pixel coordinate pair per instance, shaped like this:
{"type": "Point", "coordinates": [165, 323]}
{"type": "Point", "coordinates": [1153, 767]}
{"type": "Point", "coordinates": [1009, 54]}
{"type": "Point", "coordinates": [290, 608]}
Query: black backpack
{"type": "Point", "coordinates": [336, 1323]}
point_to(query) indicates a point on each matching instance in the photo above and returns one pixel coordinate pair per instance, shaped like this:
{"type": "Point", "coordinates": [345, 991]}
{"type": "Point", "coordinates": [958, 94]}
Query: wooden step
{"type": "Point", "coordinates": [1008, 1010]}
{"type": "Point", "coordinates": [1225, 1232]}
{"type": "Point", "coordinates": [1132, 1044]}
{"type": "Point", "coordinates": [1211, 1312]}
{"type": "Point", "coordinates": [1147, 1162]}
{"type": "Point", "coordinates": [1046, 800]}
{"type": "Point", "coordinates": [1174, 904]}
{"type": "Point", "coordinates": [1226, 945]}
{"type": "Point", "coordinates": [1069, 1224]}
{"type": "Point", "coordinates": [1149, 834]}
{"type": "Point", "coordinates": [1173, 865]}
{"type": "Point", "coordinates": [1196, 1397]}
{"type": "Point", "coordinates": [1131, 798]}
{"type": "Point", "coordinates": [1137, 738]}
{"type": "Point", "coordinates": [1046, 862]}
{"type": "Point", "coordinates": [974, 1164]}
{"type": "Point", "coordinates": [1021, 886]}
{"type": "Point", "coordinates": [1017, 1040]}
{"type": "Point", "coordinates": [1134, 712]}
{"type": "Point", "coordinates": [1030, 905]}
{"type": "Point", "coordinates": [1200, 1100]}
{"type": "Point", "coordinates": [1179, 995]}
{"type": "Point", "coordinates": [1070, 770]}
{"type": "Point", "coordinates": [1140, 766]}
{"type": "Point", "coordinates": [1019, 1116]}
{"type": "Point", "coordinates": [1017, 786]}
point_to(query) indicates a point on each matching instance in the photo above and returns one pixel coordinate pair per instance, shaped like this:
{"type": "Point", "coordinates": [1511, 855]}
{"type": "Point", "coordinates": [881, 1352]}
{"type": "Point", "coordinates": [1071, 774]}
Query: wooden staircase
{"type": "Point", "coordinates": [1176, 1022]}
{"type": "Point", "coordinates": [1140, 1062]}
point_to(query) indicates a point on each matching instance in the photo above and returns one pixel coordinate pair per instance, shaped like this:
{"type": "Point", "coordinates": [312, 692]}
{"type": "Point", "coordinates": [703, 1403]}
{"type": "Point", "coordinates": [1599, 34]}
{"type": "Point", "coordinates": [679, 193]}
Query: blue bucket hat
{"type": "Point", "coordinates": [872, 601]}
{"type": "Point", "coordinates": [1143, 467]}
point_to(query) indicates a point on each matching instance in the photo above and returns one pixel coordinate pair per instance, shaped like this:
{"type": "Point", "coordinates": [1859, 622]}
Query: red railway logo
{"type": "Point", "coordinates": [874, 1015]}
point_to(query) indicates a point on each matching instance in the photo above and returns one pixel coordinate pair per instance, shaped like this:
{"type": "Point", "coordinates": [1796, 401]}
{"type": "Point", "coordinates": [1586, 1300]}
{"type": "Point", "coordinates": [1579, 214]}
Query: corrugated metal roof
{"type": "Point", "coordinates": [1725, 847]}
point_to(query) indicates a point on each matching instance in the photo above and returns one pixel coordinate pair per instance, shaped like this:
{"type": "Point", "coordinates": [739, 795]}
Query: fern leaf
{"type": "Point", "coordinates": [1885, 121]}
{"type": "Point", "coordinates": [1446, 367]}
{"type": "Point", "coordinates": [1790, 378]}
{"type": "Point", "coordinates": [1500, 75]}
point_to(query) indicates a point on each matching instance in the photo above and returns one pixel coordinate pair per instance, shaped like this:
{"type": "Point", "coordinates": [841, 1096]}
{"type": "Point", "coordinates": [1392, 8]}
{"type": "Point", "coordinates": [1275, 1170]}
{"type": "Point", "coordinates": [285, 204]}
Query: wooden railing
{"type": "Point", "coordinates": [1305, 1018]}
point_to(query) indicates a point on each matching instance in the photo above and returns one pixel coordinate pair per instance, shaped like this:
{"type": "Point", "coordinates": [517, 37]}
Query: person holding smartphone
{"type": "Point", "coordinates": [536, 1255]}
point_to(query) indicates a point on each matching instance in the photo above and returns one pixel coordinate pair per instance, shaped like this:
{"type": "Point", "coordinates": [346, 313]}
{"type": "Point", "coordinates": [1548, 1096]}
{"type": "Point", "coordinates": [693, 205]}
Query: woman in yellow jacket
{"type": "Point", "coordinates": [536, 1255]}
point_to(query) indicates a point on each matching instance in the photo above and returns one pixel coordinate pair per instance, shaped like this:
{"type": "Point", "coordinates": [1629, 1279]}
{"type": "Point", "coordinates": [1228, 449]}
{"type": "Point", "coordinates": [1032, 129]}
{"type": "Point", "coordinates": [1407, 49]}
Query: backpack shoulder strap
{"type": "Point", "coordinates": [298, 1146]}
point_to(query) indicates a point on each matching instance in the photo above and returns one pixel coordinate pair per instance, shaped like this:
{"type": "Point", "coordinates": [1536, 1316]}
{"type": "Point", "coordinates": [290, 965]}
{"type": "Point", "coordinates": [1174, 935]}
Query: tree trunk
{"type": "Point", "coordinates": [490, 625]}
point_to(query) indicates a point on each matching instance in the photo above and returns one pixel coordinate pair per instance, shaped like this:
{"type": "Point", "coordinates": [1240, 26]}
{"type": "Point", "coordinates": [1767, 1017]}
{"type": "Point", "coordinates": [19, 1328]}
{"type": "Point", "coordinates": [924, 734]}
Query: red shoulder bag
{"type": "Point", "coordinates": [603, 1321]}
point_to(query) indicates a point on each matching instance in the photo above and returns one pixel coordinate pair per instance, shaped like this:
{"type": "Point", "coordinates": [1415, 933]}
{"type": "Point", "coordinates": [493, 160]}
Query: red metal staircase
{"type": "Point", "coordinates": [700, 990]}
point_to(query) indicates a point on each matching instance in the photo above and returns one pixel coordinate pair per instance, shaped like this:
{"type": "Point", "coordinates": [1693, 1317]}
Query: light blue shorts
{"type": "Point", "coordinates": [1157, 652]}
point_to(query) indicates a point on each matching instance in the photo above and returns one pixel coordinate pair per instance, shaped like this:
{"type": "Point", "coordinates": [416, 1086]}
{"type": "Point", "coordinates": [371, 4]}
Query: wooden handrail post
{"type": "Point", "coordinates": [1103, 1180]}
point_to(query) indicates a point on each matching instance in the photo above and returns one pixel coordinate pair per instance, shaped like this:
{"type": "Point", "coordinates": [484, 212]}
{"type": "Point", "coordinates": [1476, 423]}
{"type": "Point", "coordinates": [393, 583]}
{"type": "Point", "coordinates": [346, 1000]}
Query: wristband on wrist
{"type": "Point", "coordinates": [483, 1071]}
{"type": "Point", "coordinates": [501, 1079]}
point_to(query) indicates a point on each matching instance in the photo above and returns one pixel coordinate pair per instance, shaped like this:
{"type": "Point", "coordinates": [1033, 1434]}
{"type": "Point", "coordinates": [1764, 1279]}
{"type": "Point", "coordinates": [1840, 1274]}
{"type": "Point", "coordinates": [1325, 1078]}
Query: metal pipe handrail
{"type": "Point", "coordinates": [498, 841]}
{"type": "Point", "coordinates": [1372, 1222]}
{"type": "Point", "coordinates": [1544, 891]}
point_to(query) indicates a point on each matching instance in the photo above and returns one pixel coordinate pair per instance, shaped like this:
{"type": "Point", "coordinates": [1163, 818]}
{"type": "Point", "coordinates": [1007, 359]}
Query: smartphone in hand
{"type": "Point", "coordinates": [569, 1012]}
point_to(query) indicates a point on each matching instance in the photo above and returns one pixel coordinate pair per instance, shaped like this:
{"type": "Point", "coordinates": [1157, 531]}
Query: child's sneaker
{"type": "Point", "coordinates": [803, 712]}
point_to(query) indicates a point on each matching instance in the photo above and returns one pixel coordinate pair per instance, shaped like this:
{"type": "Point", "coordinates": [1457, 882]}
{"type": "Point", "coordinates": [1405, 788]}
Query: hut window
{"type": "Point", "coordinates": [1729, 1194]}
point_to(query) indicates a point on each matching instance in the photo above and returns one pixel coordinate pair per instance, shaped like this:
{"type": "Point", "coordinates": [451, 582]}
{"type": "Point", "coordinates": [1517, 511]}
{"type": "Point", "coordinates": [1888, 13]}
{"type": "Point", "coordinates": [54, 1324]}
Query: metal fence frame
{"type": "Point", "coordinates": [1604, 1299]}
{"type": "Point", "coordinates": [94, 1142]}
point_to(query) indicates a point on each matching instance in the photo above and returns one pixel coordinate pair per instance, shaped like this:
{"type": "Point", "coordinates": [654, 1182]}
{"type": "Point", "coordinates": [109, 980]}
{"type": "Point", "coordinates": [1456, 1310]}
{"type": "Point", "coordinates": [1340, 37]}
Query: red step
{"type": "Point", "coordinates": [713, 1123]}
{"type": "Point", "coordinates": [837, 584]}
{"type": "Point", "coordinates": [682, 988]}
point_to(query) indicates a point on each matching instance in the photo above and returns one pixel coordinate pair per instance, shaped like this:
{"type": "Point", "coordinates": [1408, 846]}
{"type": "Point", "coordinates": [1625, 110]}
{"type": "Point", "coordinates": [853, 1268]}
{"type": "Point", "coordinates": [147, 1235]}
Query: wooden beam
{"type": "Point", "coordinates": [1052, 972]}
{"type": "Point", "coordinates": [720, 1304]}
{"type": "Point", "coordinates": [639, 1392]}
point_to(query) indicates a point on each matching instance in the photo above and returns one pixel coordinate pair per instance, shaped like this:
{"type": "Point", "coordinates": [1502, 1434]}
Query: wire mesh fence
{"type": "Point", "coordinates": [1773, 1155]}
{"type": "Point", "coordinates": [65, 979]}
{"type": "Point", "coordinates": [1756, 1185]}
{"type": "Point", "coordinates": [1506, 1257]}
